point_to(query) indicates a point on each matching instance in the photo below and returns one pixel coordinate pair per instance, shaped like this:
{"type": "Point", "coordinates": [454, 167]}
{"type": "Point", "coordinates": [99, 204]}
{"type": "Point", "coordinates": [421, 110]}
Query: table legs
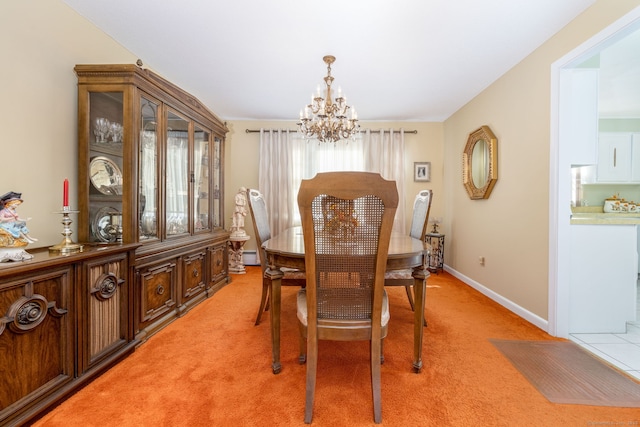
{"type": "Point", "coordinates": [419, 285]}
{"type": "Point", "coordinates": [275, 278]}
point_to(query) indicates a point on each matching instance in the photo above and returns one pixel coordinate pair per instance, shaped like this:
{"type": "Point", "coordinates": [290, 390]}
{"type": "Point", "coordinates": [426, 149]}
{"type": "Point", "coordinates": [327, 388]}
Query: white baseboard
{"type": "Point", "coordinates": [251, 258]}
{"type": "Point", "coordinates": [508, 304]}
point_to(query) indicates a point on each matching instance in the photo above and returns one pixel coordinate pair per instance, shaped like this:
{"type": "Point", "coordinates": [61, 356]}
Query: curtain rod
{"type": "Point", "coordinates": [415, 132]}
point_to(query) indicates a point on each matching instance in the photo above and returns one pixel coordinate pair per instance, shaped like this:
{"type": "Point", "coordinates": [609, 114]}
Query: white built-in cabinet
{"type": "Point", "coordinates": [579, 114]}
{"type": "Point", "coordinates": [618, 157]}
{"type": "Point", "coordinates": [635, 157]}
{"type": "Point", "coordinates": [604, 276]}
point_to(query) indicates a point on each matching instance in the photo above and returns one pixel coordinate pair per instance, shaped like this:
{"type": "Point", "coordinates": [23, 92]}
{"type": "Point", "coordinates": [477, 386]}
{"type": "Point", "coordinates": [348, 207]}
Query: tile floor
{"type": "Point", "coordinates": [621, 350]}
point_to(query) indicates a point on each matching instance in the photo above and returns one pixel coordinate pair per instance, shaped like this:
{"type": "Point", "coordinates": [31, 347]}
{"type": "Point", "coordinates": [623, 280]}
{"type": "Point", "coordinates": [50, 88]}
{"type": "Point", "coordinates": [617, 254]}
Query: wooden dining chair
{"type": "Point", "coordinates": [260, 218]}
{"type": "Point", "coordinates": [345, 261]}
{"type": "Point", "coordinates": [419, 222]}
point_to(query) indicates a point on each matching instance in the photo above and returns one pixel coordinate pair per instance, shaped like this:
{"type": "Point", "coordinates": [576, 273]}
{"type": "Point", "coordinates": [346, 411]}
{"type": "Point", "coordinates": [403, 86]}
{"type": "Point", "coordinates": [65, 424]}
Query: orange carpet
{"type": "Point", "coordinates": [212, 367]}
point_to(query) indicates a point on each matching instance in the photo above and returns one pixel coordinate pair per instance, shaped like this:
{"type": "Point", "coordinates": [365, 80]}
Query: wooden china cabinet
{"type": "Point", "coordinates": [151, 172]}
{"type": "Point", "coordinates": [150, 223]}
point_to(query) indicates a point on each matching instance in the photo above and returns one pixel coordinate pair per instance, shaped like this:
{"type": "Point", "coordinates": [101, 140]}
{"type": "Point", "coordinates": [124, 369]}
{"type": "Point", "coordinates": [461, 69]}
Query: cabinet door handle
{"type": "Point", "coordinates": [160, 290]}
{"type": "Point", "coordinates": [614, 157]}
{"type": "Point", "coordinates": [195, 272]}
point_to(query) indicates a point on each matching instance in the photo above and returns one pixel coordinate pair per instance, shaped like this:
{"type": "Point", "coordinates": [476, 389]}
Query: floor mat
{"type": "Point", "coordinates": [565, 373]}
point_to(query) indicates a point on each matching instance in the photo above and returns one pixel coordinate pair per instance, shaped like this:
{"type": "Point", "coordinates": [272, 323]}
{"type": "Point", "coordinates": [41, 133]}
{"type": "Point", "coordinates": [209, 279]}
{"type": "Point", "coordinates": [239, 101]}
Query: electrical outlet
{"type": "Point", "coordinates": [481, 260]}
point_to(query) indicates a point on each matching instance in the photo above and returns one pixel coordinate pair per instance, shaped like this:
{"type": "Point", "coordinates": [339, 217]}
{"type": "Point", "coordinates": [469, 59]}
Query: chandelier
{"type": "Point", "coordinates": [326, 119]}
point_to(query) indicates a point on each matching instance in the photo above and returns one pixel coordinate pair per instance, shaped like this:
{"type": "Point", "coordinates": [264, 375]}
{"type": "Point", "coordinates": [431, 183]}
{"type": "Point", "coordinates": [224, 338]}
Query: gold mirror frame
{"type": "Point", "coordinates": [481, 134]}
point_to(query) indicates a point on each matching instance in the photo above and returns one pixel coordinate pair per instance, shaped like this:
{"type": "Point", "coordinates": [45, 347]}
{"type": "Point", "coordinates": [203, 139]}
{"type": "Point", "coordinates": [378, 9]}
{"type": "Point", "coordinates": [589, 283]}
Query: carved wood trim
{"type": "Point", "coordinates": [27, 312]}
{"type": "Point", "coordinates": [157, 281]}
{"type": "Point", "coordinates": [106, 286]}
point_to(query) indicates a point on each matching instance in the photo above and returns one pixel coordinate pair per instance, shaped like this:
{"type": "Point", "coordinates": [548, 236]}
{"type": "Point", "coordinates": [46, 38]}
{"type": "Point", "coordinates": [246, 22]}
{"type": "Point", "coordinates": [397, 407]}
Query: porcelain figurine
{"type": "Point", "coordinates": [14, 234]}
{"type": "Point", "coordinates": [237, 221]}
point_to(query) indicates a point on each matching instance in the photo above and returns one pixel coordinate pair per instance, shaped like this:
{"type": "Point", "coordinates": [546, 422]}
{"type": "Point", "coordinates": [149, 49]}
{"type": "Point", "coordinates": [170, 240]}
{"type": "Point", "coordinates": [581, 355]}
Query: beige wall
{"type": "Point", "coordinates": [511, 228]}
{"type": "Point", "coordinates": [43, 39]}
{"type": "Point", "coordinates": [241, 158]}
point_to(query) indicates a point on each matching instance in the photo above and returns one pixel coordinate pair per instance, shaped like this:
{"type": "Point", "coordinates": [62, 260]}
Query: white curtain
{"type": "Point", "coordinates": [177, 182]}
{"type": "Point", "coordinates": [286, 159]}
{"type": "Point", "coordinates": [200, 212]}
{"type": "Point", "coordinates": [384, 153]}
{"type": "Point", "coordinates": [148, 183]}
{"type": "Point", "coordinates": [276, 173]}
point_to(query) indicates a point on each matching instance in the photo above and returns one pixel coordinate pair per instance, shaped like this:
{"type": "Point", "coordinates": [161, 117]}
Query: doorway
{"type": "Point", "coordinates": [560, 187]}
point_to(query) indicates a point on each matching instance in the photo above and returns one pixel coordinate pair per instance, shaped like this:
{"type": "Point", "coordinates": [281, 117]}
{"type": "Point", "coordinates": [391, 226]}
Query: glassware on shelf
{"type": "Point", "coordinates": [107, 131]}
{"type": "Point", "coordinates": [115, 132]}
{"type": "Point", "coordinates": [101, 129]}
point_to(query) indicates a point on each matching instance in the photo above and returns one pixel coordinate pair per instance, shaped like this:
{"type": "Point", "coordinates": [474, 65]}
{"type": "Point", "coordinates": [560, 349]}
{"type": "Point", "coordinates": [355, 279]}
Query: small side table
{"type": "Point", "coordinates": [236, 251]}
{"type": "Point", "coordinates": [435, 243]}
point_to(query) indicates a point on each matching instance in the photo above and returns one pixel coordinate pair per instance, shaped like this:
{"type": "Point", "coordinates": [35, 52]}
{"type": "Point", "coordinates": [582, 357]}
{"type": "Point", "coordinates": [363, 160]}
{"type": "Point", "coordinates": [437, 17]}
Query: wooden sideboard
{"type": "Point", "coordinates": [64, 320]}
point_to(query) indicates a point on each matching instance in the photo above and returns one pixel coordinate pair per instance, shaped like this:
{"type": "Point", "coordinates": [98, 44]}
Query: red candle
{"type": "Point", "coordinates": [65, 193]}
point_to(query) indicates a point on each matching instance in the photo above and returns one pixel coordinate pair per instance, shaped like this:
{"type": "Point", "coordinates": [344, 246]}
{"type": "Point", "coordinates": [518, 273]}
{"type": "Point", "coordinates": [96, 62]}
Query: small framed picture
{"type": "Point", "coordinates": [422, 171]}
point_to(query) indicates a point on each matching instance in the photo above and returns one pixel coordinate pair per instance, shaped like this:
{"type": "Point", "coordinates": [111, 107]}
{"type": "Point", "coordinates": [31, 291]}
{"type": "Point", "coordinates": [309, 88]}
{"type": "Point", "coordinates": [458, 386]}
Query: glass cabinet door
{"type": "Point", "coordinates": [148, 179]}
{"type": "Point", "coordinates": [177, 176]}
{"type": "Point", "coordinates": [201, 141]}
{"type": "Point", "coordinates": [105, 166]}
{"type": "Point", "coordinates": [217, 182]}
{"type": "Point", "coordinates": [150, 164]}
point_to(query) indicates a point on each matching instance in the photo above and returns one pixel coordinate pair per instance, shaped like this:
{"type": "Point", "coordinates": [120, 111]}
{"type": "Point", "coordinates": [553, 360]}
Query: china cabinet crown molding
{"type": "Point", "coordinates": [147, 79]}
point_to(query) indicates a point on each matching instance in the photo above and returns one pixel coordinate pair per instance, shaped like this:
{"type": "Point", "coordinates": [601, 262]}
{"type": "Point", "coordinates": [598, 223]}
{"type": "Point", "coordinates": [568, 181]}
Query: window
{"type": "Point", "coordinates": [286, 159]}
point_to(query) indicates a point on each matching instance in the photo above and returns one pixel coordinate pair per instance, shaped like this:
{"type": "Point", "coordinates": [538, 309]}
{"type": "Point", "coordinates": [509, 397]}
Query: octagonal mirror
{"type": "Point", "coordinates": [480, 163]}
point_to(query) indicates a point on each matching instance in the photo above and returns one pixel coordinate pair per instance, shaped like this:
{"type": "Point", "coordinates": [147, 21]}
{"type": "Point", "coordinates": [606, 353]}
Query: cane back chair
{"type": "Point", "coordinates": [345, 259]}
{"type": "Point", "coordinates": [419, 221]}
{"type": "Point", "coordinates": [260, 218]}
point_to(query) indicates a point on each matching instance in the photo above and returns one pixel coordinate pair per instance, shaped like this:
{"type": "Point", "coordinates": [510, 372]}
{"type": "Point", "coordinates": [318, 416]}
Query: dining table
{"type": "Point", "coordinates": [286, 250]}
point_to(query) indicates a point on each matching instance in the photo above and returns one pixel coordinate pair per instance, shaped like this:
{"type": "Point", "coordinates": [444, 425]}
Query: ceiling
{"type": "Point", "coordinates": [406, 60]}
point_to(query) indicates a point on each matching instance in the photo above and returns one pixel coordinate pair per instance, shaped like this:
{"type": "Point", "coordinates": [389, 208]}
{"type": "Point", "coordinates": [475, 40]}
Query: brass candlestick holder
{"type": "Point", "coordinates": [67, 246]}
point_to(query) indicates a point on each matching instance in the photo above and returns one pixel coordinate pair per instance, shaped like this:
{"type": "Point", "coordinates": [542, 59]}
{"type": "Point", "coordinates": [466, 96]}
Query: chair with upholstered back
{"type": "Point", "coordinates": [345, 260]}
{"type": "Point", "coordinates": [258, 209]}
{"type": "Point", "coordinates": [419, 221]}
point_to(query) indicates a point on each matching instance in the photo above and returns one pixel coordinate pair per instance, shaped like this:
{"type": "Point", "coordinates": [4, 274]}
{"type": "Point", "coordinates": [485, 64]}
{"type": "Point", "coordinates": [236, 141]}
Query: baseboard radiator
{"type": "Point", "coordinates": [251, 258]}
